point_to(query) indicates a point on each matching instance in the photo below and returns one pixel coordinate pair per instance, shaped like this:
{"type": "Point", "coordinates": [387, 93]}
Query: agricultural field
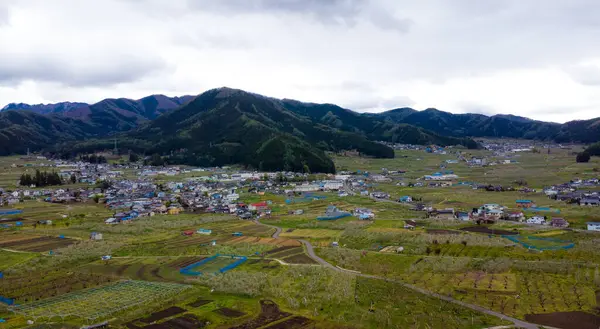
{"type": "Point", "coordinates": [523, 271]}
{"type": "Point", "coordinates": [32, 243]}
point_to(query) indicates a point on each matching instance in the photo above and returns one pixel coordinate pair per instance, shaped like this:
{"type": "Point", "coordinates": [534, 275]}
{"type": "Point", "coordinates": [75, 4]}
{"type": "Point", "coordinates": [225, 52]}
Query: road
{"type": "Point", "coordinates": [311, 253]}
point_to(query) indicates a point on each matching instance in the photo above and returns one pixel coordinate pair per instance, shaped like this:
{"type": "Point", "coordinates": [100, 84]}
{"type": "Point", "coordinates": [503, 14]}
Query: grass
{"type": "Point", "coordinates": [10, 259]}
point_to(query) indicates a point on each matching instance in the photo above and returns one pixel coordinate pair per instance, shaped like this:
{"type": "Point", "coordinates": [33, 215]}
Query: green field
{"type": "Point", "coordinates": [437, 256]}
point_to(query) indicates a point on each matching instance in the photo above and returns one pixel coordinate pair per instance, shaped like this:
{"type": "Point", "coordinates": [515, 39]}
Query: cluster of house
{"type": "Point", "coordinates": [60, 195]}
{"type": "Point", "coordinates": [491, 213]}
{"type": "Point", "coordinates": [571, 193]}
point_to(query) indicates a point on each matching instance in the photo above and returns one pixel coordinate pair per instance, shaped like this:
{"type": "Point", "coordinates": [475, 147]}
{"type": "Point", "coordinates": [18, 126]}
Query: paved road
{"type": "Point", "coordinates": [311, 253]}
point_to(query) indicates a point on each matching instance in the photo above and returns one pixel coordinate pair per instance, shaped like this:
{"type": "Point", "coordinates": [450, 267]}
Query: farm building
{"type": "Point", "coordinates": [332, 213]}
{"type": "Point", "coordinates": [593, 226]}
{"type": "Point", "coordinates": [539, 220]}
{"type": "Point", "coordinates": [559, 222]}
{"type": "Point", "coordinates": [447, 213]}
{"type": "Point", "coordinates": [525, 203]}
{"type": "Point", "coordinates": [258, 206]}
{"type": "Point", "coordinates": [364, 213]}
{"type": "Point", "coordinates": [95, 236]}
{"type": "Point", "coordinates": [461, 215]}
{"type": "Point", "coordinates": [174, 211]}
{"type": "Point", "coordinates": [589, 202]}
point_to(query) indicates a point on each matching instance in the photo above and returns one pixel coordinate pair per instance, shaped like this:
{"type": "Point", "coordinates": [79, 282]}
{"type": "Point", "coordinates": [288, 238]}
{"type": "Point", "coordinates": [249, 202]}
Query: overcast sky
{"type": "Point", "coordinates": [536, 58]}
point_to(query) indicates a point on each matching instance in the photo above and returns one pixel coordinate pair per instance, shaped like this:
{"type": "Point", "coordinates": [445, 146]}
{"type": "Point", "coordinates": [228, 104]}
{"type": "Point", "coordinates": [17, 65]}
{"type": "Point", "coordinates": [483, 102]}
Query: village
{"type": "Point", "coordinates": [403, 219]}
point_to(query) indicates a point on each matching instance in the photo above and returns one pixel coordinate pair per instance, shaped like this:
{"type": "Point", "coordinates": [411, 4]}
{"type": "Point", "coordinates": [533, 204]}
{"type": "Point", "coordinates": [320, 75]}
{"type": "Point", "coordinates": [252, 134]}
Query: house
{"type": "Point", "coordinates": [516, 216]}
{"type": "Point", "coordinates": [187, 233]}
{"type": "Point", "coordinates": [593, 226]}
{"type": "Point", "coordinates": [559, 222]}
{"type": "Point", "coordinates": [461, 215]}
{"type": "Point", "coordinates": [589, 202]}
{"type": "Point", "coordinates": [447, 213]}
{"type": "Point", "coordinates": [173, 210]}
{"type": "Point", "coordinates": [111, 220]}
{"type": "Point", "coordinates": [333, 185]}
{"type": "Point", "coordinates": [95, 236]}
{"type": "Point", "coordinates": [204, 231]}
{"type": "Point", "coordinates": [258, 206]}
{"type": "Point", "coordinates": [538, 220]}
{"type": "Point", "coordinates": [405, 199]}
{"type": "Point", "coordinates": [525, 204]}
{"type": "Point", "coordinates": [364, 213]}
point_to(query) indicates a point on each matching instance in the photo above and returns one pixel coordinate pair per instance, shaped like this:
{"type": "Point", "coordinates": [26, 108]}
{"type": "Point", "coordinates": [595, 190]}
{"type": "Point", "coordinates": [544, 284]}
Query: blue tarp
{"type": "Point", "coordinates": [188, 270]}
{"type": "Point", "coordinates": [7, 301]}
{"type": "Point", "coordinates": [10, 212]}
{"type": "Point", "coordinates": [515, 238]}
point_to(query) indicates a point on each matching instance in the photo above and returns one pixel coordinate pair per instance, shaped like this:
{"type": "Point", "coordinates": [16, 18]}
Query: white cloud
{"type": "Point", "coordinates": [529, 58]}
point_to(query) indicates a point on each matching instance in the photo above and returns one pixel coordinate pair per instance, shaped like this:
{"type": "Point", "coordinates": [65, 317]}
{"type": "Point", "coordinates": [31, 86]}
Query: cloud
{"type": "Point", "coordinates": [511, 56]}
{"type": "Point", "coordinates": [16, 68]}
{"type": "Point", "coordinates": [586, 74]}
{"type": "Point", "coordinates": [4, 15]}
{"type": "Point", "coordinates": [328, 12]}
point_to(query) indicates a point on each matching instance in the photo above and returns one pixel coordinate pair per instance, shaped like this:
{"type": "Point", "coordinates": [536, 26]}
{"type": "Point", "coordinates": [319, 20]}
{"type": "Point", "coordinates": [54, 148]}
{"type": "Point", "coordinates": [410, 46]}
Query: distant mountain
{"type": "Point", "coordinates": [22, 130]}
{"type": "Point", "coordinates": [115, 114]}
{"type": "Point", "coordinates": [228, 126]}
{"type": "Point", "coordinates": [44, 108]}
{"type": "Point", "coordinates": [478, 125]}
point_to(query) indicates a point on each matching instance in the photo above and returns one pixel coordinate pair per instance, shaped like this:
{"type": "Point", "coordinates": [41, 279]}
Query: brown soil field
{"type": "Point", "coordinates": [188, 321]}
{"type": "Point", "coordinates": [487, 230]}
{"type": "Point", "coordinates": [199, 302]}
{"type": "Point", "coordinates": [299, 259]}
{"type": "Point", "coordinates": [269, 313]}
{"type": "Point", "coordinates": [566, 320]}
{"type": "Point", "coordinates": [292, 323]}
{"type": "Point", "coordinates": [228, 312]}
{"type": "Point", "coordinates": [276, 250]}
{"type": "Point", "coordinates": [288, 252]}
{"type": "Point", "coordinates": [168, 312]}
{"type": "Point", "coordinates": [35, 244]}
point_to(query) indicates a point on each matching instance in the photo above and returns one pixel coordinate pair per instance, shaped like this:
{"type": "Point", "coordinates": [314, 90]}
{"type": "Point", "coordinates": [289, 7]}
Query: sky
{"type": "Point", "coordinates": [534, 58]}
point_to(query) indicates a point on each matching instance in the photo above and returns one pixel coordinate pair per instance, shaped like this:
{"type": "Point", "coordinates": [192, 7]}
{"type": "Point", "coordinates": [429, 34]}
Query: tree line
{"type": "Point", "coordinates": [41, 179]}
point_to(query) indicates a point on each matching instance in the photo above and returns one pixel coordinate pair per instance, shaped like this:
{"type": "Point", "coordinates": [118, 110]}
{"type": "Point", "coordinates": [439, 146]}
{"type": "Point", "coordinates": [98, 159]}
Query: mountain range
{"type": "Point", "coordinates": [228, 126]}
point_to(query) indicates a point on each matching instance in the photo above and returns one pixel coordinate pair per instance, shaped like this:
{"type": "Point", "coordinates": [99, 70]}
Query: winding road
{"type": "Point", "coordinates": [311, 253]}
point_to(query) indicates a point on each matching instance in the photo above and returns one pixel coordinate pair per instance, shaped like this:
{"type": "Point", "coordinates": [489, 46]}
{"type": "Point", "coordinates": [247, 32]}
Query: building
{"type": "Point", "coordinates": [538, 220]}
{"type": "Point", "coordinates": [593, 226]}
{"type": "Point", "coordinates": [559, 222]}
{"type": "Point", "coordinates": [525, 203]}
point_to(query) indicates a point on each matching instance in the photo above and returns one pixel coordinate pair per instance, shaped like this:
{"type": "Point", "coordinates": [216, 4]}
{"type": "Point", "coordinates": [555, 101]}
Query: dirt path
{"type": "Point", "coordinates": [311, 253]}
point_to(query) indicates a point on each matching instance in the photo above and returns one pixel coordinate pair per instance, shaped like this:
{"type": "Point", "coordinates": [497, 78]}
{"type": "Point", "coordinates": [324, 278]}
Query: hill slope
{"type": "Point", "coordinates": [20, 130]}
{"type": "Point", "coordinates": [478, 125]}
{"type": "Point", "coordinates": [119, 114]}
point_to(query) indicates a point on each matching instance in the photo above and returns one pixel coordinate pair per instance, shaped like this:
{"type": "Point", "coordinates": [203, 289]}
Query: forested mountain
{"type": "Point", "coordinates": [44, 108]}
{"type": "Point", "coordinates": [22, 130]}
{"type": "Point", "coordinates": [479, 125]}
{"type": "Point", "coordinates": [119, 114]}
{"type": "Point", "coordinates": [228, 126]}
{"type": "Point", "coordinates": [225, 126]}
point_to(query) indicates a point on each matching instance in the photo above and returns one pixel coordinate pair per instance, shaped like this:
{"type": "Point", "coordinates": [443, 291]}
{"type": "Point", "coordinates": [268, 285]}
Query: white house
{"type": "Point", "coordinates": [307, 188]}
{"type": "Point", "coordinates": [232, 197]}
{"type": "Point", "coordinates": [593, 226]}
{"type": "Point", "coordinates": [539, 220]}
{"type": "Point", "coordinates": [333, 185]}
